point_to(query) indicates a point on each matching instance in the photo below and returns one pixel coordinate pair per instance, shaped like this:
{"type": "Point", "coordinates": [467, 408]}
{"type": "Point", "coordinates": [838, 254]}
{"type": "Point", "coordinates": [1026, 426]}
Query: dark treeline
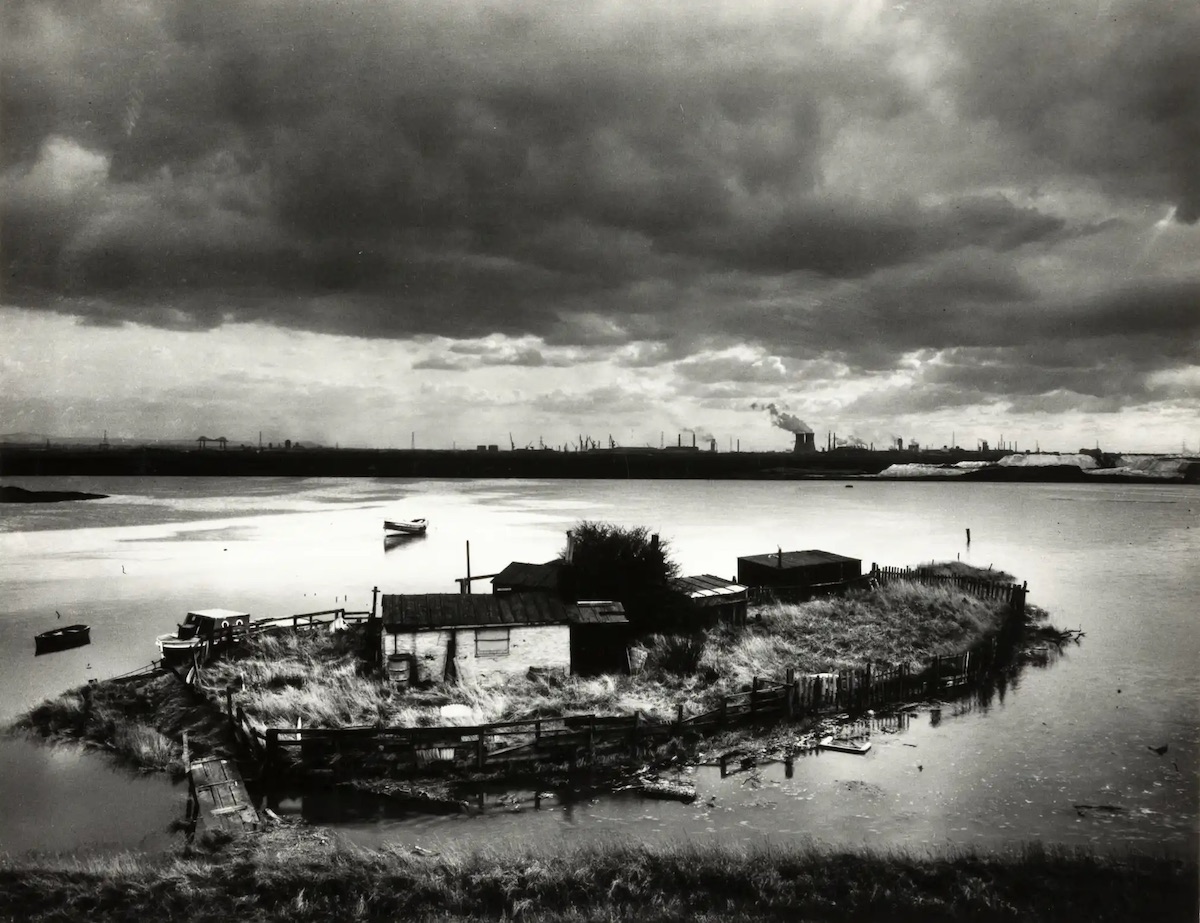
{"type": "Point", "coordinates": [325, 462]}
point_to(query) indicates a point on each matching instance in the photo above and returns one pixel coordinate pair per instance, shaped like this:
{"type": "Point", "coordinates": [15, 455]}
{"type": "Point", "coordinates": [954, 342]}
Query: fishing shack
{"type": "Point", "coordinates": [437, 637]}
{"type": "Point", "coordinates": [711, 600]}
{"type": "Point", "coordinates": [800, 574]}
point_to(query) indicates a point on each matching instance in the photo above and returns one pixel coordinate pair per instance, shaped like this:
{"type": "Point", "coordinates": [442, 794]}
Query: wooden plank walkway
{"type": "Point", "coordinates": [218, 797]}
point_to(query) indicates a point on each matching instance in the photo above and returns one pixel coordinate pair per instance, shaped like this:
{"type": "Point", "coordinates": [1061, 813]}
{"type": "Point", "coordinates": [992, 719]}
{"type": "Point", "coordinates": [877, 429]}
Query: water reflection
{"type": "Point", "coordinates": [396, 540]}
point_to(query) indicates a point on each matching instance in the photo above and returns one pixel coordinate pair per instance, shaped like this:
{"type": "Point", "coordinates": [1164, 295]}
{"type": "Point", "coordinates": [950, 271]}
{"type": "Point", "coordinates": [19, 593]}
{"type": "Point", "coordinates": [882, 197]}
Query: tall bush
{"type": "Point", "coordinates": [629, 565]}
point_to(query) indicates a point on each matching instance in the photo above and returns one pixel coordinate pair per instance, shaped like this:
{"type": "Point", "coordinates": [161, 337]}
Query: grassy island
{"type": "Point", "coordinates": [321, 680]}
{"type": "Point", "coordinates": [298, 873]}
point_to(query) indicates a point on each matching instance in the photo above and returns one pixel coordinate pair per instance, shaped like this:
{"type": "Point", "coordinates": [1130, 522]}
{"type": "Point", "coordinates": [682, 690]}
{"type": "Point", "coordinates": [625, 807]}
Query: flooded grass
{"type": "Point", "coordinates": [299, 873]}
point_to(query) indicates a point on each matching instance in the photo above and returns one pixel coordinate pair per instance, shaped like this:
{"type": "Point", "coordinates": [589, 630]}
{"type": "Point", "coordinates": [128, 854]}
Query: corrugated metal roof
{"type": "Point", "coordinates": [705, 585]}
{"type": "Point", "coordinates": [455, 610]}
{"type": "Point", "coordinates": [530, 576]}
{"type": "Point", "coordinates": [798, 558]}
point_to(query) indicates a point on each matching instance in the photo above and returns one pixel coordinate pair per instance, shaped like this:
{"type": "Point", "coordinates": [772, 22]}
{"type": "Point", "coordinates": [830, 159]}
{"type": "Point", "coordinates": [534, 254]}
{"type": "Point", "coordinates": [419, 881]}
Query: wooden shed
{"type": "Point", "coordinates": [713, 599]}
{"type": "Point", "coordinates": [799, 573]}
{"type": "Point", "coordinates": [475, 638]}
{"type": "Point", "coordinates": [519, 577]}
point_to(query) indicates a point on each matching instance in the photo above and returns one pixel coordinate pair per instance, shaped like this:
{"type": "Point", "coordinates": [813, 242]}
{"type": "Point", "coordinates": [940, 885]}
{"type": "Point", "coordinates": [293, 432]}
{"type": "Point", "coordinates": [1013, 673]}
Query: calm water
{"type": "Point", "coordinates": [1117, 561]}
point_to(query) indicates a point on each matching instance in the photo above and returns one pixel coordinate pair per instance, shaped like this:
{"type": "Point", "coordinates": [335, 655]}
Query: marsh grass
{"type": "Point", "coordinates": [141, 721]}
{"type": "Point", "coordinates": [963, 569]}
{"type": "Point", "coordinates": [318, 679]}
{"type": "Point", "coordinates": [299, 874]}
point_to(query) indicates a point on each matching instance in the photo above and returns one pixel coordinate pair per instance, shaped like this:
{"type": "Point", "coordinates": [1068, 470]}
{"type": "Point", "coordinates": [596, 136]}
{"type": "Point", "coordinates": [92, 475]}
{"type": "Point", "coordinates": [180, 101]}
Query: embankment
{"type": "Point", "coordinates": [300, 874]}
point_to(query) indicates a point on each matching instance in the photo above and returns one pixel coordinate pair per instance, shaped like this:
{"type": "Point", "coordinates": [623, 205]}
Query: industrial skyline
{"type": "Point", "coordinates": [345, 223]}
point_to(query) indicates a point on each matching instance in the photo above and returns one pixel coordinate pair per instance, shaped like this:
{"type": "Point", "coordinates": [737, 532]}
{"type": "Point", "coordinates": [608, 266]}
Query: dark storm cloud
{"type": "Point", "coordinates": [1110, 91]}
{"type": "Point", "coordinates": [467, 170]}
{"type": "Point", "coordinates": [649, 179]}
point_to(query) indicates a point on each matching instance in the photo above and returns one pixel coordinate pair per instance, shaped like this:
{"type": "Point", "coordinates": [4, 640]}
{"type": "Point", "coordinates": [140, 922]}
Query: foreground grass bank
{"type": "Point", "coordinates": [299, 874]}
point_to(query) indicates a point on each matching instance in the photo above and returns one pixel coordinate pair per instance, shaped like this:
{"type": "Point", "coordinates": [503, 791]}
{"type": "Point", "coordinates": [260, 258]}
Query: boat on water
{"type": "Point", "coordinates": [405, 526]}
{"type": "Point", "coordinates": [203, 630]}
{"type": "Point", "coordinates": [60, 639]}
{"type": "Point", "coordinates": [842, 745]}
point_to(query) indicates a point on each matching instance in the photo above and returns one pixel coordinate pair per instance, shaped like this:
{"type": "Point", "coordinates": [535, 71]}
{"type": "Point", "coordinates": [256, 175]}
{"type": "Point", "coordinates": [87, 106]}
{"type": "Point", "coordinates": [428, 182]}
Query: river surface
{"type": "Point", "coordinates": [1118, 561]}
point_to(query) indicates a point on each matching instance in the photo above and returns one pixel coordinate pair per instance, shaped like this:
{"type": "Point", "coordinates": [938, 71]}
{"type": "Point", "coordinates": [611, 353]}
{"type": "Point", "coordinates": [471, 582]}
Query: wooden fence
{"type": "Point", "coordinates": [1011, 593]}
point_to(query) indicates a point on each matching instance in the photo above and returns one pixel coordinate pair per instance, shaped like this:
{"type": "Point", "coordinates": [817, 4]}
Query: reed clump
{"type": "Point", "coordinates": [291, 874]}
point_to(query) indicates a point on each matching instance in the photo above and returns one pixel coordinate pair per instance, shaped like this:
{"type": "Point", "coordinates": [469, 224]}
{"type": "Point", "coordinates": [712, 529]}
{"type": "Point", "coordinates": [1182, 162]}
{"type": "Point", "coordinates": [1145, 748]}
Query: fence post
{"type": "Point", "coordinates": [790, 693]}
{"type": "Point", "coordinates": [272, 750]}
{"type": "Point", "coordinates": [229, 703]}
{"type": "Point", "coordinates": [724, 710]}
{"type": "Point", "coordinates": [480, 751]}
{"type": "Point", "coordinates": [679, 718]}
{"type": "Point", "coordinates": [753, 697]}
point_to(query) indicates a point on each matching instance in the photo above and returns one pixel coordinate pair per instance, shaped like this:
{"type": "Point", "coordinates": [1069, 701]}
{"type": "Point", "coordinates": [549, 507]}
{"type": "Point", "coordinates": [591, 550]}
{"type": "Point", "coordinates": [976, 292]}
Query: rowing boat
{"type": "Point", "coordinates": [59, 639]}
{"type": "Point", "coordinates": [406, 527]}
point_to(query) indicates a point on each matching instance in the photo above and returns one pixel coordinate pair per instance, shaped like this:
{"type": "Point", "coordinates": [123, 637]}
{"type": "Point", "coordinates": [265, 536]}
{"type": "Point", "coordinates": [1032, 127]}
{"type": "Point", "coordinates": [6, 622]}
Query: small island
{"type": "Point", "coordinates": [21, 495]}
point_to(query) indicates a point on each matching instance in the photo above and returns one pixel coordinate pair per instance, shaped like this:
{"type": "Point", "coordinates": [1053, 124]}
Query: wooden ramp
{"type": "Point", "coordinates": [218, 797]}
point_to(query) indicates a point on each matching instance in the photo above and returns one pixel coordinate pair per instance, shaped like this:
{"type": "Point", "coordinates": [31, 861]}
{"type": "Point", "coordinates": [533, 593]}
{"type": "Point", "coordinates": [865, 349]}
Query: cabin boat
{"type": "Point", "coordinates": [204, 630]}
{"type": "Point", "coordinates": [59, 639]}
{"type": "Point", "coordinates": [406, 527]}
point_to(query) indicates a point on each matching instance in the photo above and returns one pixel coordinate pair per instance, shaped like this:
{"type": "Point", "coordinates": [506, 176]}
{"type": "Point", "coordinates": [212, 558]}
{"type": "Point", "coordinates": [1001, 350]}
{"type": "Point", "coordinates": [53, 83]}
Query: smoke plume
{"type": "Point", "coordinates": [784, 420]}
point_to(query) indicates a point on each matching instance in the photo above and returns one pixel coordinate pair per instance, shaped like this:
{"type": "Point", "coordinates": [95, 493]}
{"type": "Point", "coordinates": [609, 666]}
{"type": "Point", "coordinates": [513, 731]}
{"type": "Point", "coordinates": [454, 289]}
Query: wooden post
{"type": "Point", "coordinates": [374, 600]}
{"type": "Point", "coordinates": [229, 702]}
{"type": "Point", "coordinates": [724, 709]}
{"type": "Point", "coordinates": [272, 750]}
{"type": "Point", "coordinates": [753, 697]}
{"type": "Point", "coordinates": [789, 697]}
{"type": "Point", "coordinates": [466, 587]}
{"type": "Point", "coordinates": [480, 751]}
{"type": "Point", "coordinates": [679, 718]}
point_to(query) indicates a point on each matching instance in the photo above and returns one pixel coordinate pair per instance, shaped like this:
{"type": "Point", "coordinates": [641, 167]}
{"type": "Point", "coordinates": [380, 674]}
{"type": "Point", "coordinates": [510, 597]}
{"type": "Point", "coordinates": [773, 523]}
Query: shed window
{"type": "Point", "coordinates": [491, 642]}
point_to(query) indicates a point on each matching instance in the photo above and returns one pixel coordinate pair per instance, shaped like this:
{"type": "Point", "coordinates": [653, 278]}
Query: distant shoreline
{"type": "Point", "coordinates": [622, 464]}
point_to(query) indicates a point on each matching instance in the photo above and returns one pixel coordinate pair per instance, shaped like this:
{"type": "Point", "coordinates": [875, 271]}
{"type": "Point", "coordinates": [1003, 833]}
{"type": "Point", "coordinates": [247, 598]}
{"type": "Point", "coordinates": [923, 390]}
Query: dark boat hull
{"type": "Point", "coordinates": [62, 639]}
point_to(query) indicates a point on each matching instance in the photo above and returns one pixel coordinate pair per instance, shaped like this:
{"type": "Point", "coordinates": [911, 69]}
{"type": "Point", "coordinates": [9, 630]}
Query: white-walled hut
{"type": "Point", "coordinates": [476, 638]}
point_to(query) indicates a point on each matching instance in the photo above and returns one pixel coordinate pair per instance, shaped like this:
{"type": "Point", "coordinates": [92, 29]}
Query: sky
{"type": "Point", "coordinates": [386, 223]}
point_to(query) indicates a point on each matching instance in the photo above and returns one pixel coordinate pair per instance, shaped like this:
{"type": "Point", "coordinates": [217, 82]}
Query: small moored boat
{"type": "Point", "coordinates": [59, 639]}
{"type": "Point", "coordinates": [841, 745]}
{"type": "Point", "coordinates": [406, 526]}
